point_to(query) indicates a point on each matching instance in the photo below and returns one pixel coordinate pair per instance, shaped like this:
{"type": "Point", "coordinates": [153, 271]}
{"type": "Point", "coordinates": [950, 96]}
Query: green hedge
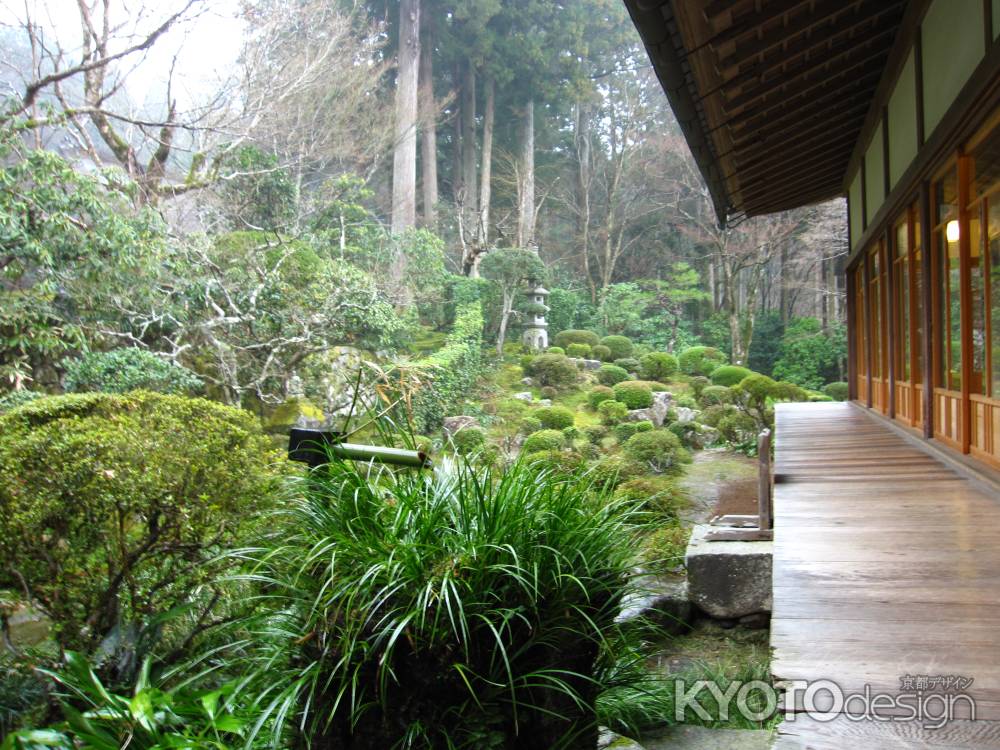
{"type": "Point", "coordinates": [453, 369]}
{"type": "Point", "coordinates": [658, 366]}
{"type": "Point", "coordinates": [575, 336]}
{"type": "Point", "coordinates": [620, 346]}
{"type": "Point", "coordinates": [729, 375]}
{"type": "Point", "coordinates": [633, 394]}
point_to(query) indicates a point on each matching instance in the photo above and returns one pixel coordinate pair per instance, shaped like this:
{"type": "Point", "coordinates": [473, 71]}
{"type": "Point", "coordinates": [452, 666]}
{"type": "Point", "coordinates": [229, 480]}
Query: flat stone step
{"type": "Point", "coordinates": [684, 737]}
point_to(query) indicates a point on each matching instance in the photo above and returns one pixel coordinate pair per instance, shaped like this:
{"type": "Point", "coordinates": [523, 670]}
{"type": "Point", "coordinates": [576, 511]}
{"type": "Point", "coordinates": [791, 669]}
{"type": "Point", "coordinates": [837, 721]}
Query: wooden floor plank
{"type": "Point", "coordinates": [886, 563]}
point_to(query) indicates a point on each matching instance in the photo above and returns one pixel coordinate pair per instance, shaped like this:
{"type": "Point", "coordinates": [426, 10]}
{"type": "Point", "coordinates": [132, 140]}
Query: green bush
{"type": "Point", "coordinates": [579, 350]}
{"type": "Point", "coordinates": [610, 471]}
{"type": "Point", "coordinates": [114, 508]}
{"type": "Point", "coordinates": [453, 369]}
{"type": "Point", "coordinates": [549, 392]}
{"type": "Point", "coordinates": [595, 433]}
{"type": "Point", "coordinates": [599, 394]}
{"type": "Point", "coordinates": [687, 433]}
{"type": "Point", "coordinates": [666, 548]}
{"type": "Point", "coordinates": [633, 394]}
{"type": "Point", "coordinates": [555, 370]}
{"type": "Point", "coordinates": [525, 361]}
{"type": "Point", "coordinates": [472, 611]}
{"type": "Point", "coordinates": [643, 425]}
{"type": "Point", "coordinates": [653, 385]}
{"type": "Point", "coordinates": [130, 369]}
{"type": "Point", "coordinates": [574, 336]}
{"type": "Point", "coordinates": [628, 363]}
{"type": "Point", "coordinates": [14, 399]}
{"type": "Point", "coordinates": [737, 428]}
{"type": "Point", "coordinates": [715, 395]}
{"type": "Point", "coordinates": [611, 374]}
{"type": "Point", "coordinates": [624, 431]}
{"type": "Point", "coordinates": [817, 397]}
{"type": "Point", "coordinates": [620, 346]}
{"type": "Point", "coordinates": [755, 394]}
{"type": "Point", "coordinates": [698, 383]}
{"type": "Point", "coordinates": [555, 350]}
{"type": "Point", "coordinates": [571, 433]}
{"type": "Point", "coordinates": [837, 391]}
{"type": "Point", "coordinates": [601, 352]}
{"type": "Point", "coordinates": [658, 366]}
{"type": "Point", "coordinates": [700, 360]}
{"type": "Point", "coordinates": [469, 440]}
{"type": "Point", "coordinates": [612, 412]}
{"type": "Point", "coordinates": [544, 440]}
{"type": "Point", "coordinates": [558, 462]}
{"type": "Point", "coordinates": [712, 415]}
{"type": "Point", "coordinates": [530, 425]}
{"type": "Point", "coordinates": [660, 450]}
{"type": "Point", "coordinates": [554, 417]}
{"type": "Point", "coordinates": [687, 402]}
{"type": "Point", "coordinates": [658, 494]}
{"type": "Point", "coordinates": [729, 375]}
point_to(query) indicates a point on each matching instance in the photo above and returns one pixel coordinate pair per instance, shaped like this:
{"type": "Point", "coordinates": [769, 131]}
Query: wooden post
{"type": "Point", "coordinates": [852, 337]}
{"type": "Point", "coordinates": [891, 316]}
{"type": "Point", "coordinates": [927, 293]}
{"type": "Point", "coordinates": [765, 511]}
{"type": "Point", "coordinates": [866, 281]}
{"type": "Point", "coordinates": [965, 296]}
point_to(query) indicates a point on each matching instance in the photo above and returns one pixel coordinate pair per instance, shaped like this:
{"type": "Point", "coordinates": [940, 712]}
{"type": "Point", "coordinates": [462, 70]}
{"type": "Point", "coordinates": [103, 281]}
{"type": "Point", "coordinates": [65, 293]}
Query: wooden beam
{"type": "Point", "coordinates": [886, 175]}
{"type": "Point", "coordinates": [793, 199]}
{"type": "Point", "coordinates": [867, 277]}
{"type": "Point", "coordinates": [799, 147]}
{"type": "Point", "coordinates": [767, 139]}
{"type": "Point", "coordinates": [965, 296]}
{"type": "Point", "coordinates": [891, 315]}
{"type": "Point", "coordinates": [750, 23]}
{"type": "Point", "coordinates": [810, 188]}
{"type": "Point", "coordinates": [718, 7]}
{"type": "Point", "coordinates": [918, 65]}
{"type": "Point", "coordinates": [789, 175]}
{"type": "Point", "coordinates": [928, 296]}
{"type": "Point", "coordinates": [852, 328]}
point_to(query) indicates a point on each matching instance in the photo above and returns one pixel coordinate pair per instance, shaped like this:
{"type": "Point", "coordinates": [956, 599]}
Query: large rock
{"type": "Point", "coordinates": [686, 737]}
{"type": "Point", "coordinates": [523, 396]}
{"type": "Point", "coordinates": [685, 415]}
{"type": "Point", "coordinates": [662, 601]}
{"type": "Point", "coordinates": [728, 580]}
{"type": "Point", "coordinates": [451, 425]}
{"type": "Point", "coordinates": [530, 382]}
{"type": "Point", "coordinates": [657, 413]}
{"type": "Point", "coordinates": [295, 412]}
{"type": "Point", "coordinates": [586, 364]}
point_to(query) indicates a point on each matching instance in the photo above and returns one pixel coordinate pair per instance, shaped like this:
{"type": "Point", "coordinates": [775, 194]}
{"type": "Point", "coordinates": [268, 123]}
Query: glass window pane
{"type": "Point", "coordinates": [978, 301]}
{"type": "Point", "coordinates": [946, 196]}
{"type": "Point", "coordinates": [993, 220]}
{"type": "Point", "coordinates": [954, 316]}
{"type": "Point", "coordinates": [918, 314]}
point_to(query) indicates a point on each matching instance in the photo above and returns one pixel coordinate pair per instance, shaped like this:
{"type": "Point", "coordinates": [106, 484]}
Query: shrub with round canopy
{"type": "Point", "coordinates": [555, 370]}
{"type": "Point", "coordinates": [661, 450]}
{"type": "Point", "coordinates": [633, 394]}
{"type": "Point", "coordinates": [128, 369]}
{"type": "Point", "coordinates": [611, 374]}
{"type": "Point", "coordinates": [554, 417]}
{"type": "Point", "coordinates": [598, 394]}
{"type": "Point", "coordinates": [658, 366]}
{"type": "Point", "coordinates": [700, 360]}
{"type": "Point", "coordinates": [620, 346]}
{"type": "Point", "coordinates": [544, 440]}
{"type": "Point", "coordinates": [729, 375]}
{"type": "Point", "coordinates": [575, 336]}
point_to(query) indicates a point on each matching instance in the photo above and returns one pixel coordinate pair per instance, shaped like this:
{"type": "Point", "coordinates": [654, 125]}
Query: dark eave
{"type": "Point", "coordinates": [771, 95]}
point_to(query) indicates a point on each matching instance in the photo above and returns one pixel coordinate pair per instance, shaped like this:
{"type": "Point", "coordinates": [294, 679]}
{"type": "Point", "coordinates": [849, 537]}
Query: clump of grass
{"type": "Point", "coordinates": [664, 549]}
{"type": "Point", "coordinates": [449, 610]}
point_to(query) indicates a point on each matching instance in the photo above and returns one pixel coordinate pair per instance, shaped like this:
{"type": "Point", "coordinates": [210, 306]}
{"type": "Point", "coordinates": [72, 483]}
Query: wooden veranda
{"type": "Point", "coordinates": [886, 566]}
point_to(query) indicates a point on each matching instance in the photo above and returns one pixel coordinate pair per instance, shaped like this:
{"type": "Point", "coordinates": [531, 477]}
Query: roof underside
{"type": "Point", "coordinates": [770, 94]}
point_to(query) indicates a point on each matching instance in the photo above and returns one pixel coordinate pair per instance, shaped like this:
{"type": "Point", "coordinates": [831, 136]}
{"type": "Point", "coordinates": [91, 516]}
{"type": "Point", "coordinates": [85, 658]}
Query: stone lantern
{"type": "Point", "coordinates": [536, 329]}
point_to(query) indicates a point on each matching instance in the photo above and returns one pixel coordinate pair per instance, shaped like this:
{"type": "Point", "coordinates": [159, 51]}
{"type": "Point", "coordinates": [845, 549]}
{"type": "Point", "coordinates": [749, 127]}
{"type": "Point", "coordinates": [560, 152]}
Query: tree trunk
{"type": "Point", "coordinates": [404, 165]}
{"type": "Point", "coordinates": [428, 116]}
{"type": "Point", "coordinates": [582, 143]}
{"type": "Point", "coordinates": [505, 310]}
{"type": "Point", "coordinates": [486, 169]}
{"type": "Point", "coordinates": [526, 206]}
{"type": "Point", "coordinates": [470, 211]}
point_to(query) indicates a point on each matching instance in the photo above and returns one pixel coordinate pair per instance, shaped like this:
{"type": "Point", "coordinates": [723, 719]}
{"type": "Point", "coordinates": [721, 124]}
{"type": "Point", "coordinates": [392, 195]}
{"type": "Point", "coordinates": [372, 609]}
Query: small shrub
{"type": "Point", "coordinates": [612, 412]}
{"type": "Point", "coordinates": [634, 395]}
{"type": "Point", "coordinates": [611, 374]}
{"type": "Point", "coordinates": [571, 433]}
{"type": "Point", "coordinates": [700, 360]}
{"type": "Point", "coordinates": [660, 450]}
{"type": "Point", "coordinates": [581, 351]}
{"type": "Point", "coordinates": [628, 363]}
{"type": "Point", "coordinates": [469, 440]}
{"type": "Point", "coordinates": [602, 353]}
{"type": "Point", "coordinates": [729, 375]}
{"type": "Point", "coordinates": [610, 471]}
{"type": "Point", "coordinates": [14, 399]}
{"type": "Point", "coordinates": [554, 417]}
{"type": "Point", "coordinates": [687, 402]}
{"type": "Point", "coordinates": [128, 369]}
{"type": "Point", "coordinates": [755, 394]}
{"type": "Point", "coordinates": [624, 431]}
{"type": "Point", "coordinates": [817, 397]}
{"type": "Point", "coordinates": [658, 494]}
{"type": "Point", "coordinates": [620, 346]}
{"type": "Point", "coordinates": [530, 425]}
{"type": "Point", "coordinates": [555, 350]}
{"type": "Point", "coordinates": [737, 428]}
{"type": "Point", "coordinates": [574, 336]}
{"type": "Point", "coordinates": [686, 432]}
{"type": "Point", "coordinates": [653, 385]}
{"type": "Point", "coordinates": [599, 394]}
{"type": "Point", "coordinates": [595, 433]}
{"type": "Point", "coordinates": [658, 366]}
{"type": "Point", "coordinates": [712, 415]}
{"type": "Point", "coordinates": [525, 361]}
{"type": "Point", "coordinates": [698, 383]}
{"type": "Point", "coordinates": [557, 462]}
{"type": "Point", "coordinates": [555, 370]}
{"type": "Point", "coordinates": [716, 395]}
{"type": "Point", "coordinates": [665, 549]}
{"type": "Point", "coordinates": [549, 392]}
{"type": "Point", "coordinates": [837, 391]}
{"type": "Point", "coordinates": [544, 440]}
{"type": "Point", "coordinates": [643, 425]}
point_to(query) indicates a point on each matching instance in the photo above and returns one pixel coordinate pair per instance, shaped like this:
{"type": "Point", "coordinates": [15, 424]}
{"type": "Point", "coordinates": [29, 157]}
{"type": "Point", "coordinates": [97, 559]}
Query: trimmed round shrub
{"type": "Point", "coordinates": [610, 471]}
{"type": "Point", "coordinates": [555, 350]}
{"type": "Point", "coordinates": [575, 336]}
{"type": "Point", "coordinates": [128, 369]}
{"type": "Point", "coordinates": [687, 432]}
{"type": "Point", "coordinates": [654, 386]}
{"type": "Point", "coordinates": [525, 361]}
{"type": "Point", "coordinates": [620, 346]}
{"type": "Point", "coordinates": [611, 374]}
{"type": "Point", "coordinates": [530, 425]}
{"type": "Point", "coordinates": [628, 363]}
{"type": "Point", "coordinates": [469, 440]}
{"type": "Point", "coordinates": [658, 494]}
{"type": "Point", "coordinates": [643, 425]}
{"type": "Point", "coordinates": [544, 440]}
{"type": "Point", "coordinates": [595, 433]}
{"type": "Point", "coordinates": [715, 395]}
{"type": "Point", "coordinates": [633, 394]}
{"type": "Point", "coordinates": [624, 431]}
{"type": "Point", "coordinates": [555, 370]}
{"type": "Point", "coordinates": [612, 412]}
{"type": "Point", "coordinates": [658, 366]}
{"type": "Point", "coordinates": [571, 433]}
{"type": "Point", "coordinates": [114, 508]}
{"type": "Point", "coordinates": [556, 461]}
{"type": "Point", "coordinates": [554, 417]}
{"type": "Point", "coordinates": [687, 402]}
{"type": "Point", "coordinates": [599, 394]}
{"type": "Point", "coordinates": [660, 450]}
{"type": "Point", "coordinates": [698, 383]}
{"type": "Point", "coordinates": [729, 375]}
{"type": "Point", "coordinates": [837, 391]}
{"type": "Point", "coordinates": [581, 351]}
{"type": "Point", "coordinates": [737, 428]}
{"type": "Point", "coordinates": [14, 399]}
{"type": "Point", "coordinates": [601, 352]}
{"type": "Point", "coordinates": [700, 360]}
{"type": "Point", "coordinates": [712, 415]}
{"type": "Point", "coordinates": [549, 392]}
